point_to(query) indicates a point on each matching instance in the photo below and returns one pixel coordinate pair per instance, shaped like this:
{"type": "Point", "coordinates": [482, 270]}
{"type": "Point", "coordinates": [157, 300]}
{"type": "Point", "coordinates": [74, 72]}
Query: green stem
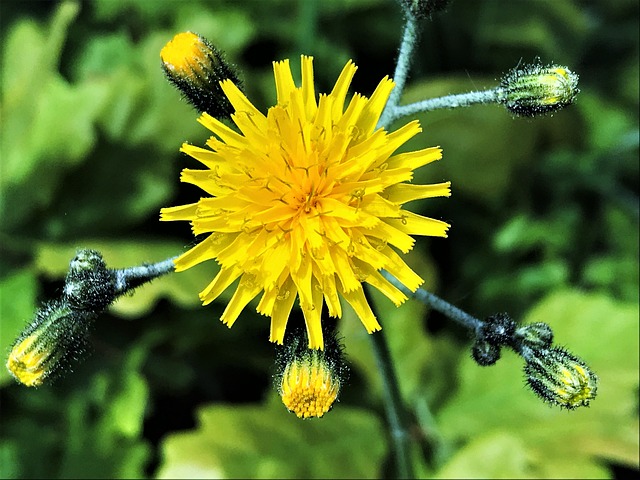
{"type": "Point", "coordinates": [396, 414]}
{"type": "Point", "coordinates": [438, 304]}
{"type": "Point", "coordinates": [129, 278]}
{"type": "Point", "coordinates": [449, 101]}
{"type": "Point", "coordinates": [407, 46]}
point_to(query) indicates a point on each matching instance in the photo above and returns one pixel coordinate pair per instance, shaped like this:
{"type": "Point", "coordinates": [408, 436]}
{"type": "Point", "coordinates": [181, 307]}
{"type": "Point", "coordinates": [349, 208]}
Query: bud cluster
{"type": "Point", "coordinates": [58, 334]}
{"type": "Point", "coordinates": [553, 373]}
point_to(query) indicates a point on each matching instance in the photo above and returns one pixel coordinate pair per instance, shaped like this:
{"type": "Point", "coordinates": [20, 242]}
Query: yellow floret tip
{"type": "Point", "coordinates": [309, 388]}
{"type": "Point", "coordinates": [27, 363]}
{"type": "Point", "coordinates": [184, 53]}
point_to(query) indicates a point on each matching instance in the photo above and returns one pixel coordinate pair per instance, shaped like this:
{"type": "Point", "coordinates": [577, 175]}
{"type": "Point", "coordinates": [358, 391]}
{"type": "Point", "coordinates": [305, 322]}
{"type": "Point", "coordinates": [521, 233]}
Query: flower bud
{"type": "Point", "coordinates": [45, 348]}
{"type": "Point", "coordinates": [498, 329]}
{"type": "Point", "coordinates": [537, 89]}
{"type": "Point", "coordinates": [309, 380]}
{"type": "Point", "coordinates": [561, 378]}
{"type": "Point", "coordinates": [89, 284]}
{"type": "Point", "coordinates": [535, 336]}
{"type": "Point", "coordinates": [484, 353]}
{"type": "Point", "coordinates": [196, 68]}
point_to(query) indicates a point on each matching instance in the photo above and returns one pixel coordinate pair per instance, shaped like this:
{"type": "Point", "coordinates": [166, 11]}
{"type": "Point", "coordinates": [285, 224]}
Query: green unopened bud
{"type": "Point", "coordinates": [196, 68]}
{"type": "Point", "coordinates": [537, 89]}
{"type": "Point", "coordinates": [89, 285]}
{"type": "Point", "coordinates": [561, 378]}
{"type": "Point", "coordinates": [309, 380]}
{"type": "Point", "coordinates": [46, 347]}
{"type": "Point", "coordinates": [535, 336]}
{"type": "Point", "coordinates": [424, 8]}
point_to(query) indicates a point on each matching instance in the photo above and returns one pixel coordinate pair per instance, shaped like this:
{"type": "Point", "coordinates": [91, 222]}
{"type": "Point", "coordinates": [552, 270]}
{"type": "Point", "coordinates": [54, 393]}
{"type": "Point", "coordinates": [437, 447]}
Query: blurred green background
{"type": "Point", "coordinates": [544, 218]}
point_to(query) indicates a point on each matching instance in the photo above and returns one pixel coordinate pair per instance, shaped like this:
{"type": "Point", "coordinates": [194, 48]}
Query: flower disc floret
{"type": "Point", "coordinates": [306, 202]}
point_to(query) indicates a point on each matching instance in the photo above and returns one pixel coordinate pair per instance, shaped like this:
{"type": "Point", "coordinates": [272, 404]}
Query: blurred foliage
{"type": "Point", "coordinates": [545, 225]}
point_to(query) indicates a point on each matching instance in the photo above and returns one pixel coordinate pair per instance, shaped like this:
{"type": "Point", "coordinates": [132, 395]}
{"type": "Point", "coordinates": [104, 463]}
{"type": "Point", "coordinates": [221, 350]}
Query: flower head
{"type": "Point", "coordinates": [306, 202]}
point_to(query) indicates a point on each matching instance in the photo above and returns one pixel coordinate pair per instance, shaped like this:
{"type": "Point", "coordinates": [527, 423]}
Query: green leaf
{"type": "Point", "coordinates": [607, 123]}
{"type": "Point", "coordinates": [105, 423]}
{"type": "Point", "coordinates": [17, 307]}
{"type": "Point", "coordinates": [266, 441]}
{"type": "Point", "coordinates": [502, 455]}
{"type": "Point", "coordinates": [493, 400]}
{"type": "Point", "coordinates": [48, 123]}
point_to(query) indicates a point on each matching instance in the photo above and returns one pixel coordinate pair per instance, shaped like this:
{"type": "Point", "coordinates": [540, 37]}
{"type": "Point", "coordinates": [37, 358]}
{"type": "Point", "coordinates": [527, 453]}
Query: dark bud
{"type": "Point", "coordinates": [484, 353]}
{"type": "Point", "coordinates": [89, 284]}
{"type": "Point", "coordinates": [498, 329]}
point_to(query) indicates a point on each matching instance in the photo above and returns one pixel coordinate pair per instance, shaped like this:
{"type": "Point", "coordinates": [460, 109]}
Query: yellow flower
{"type": "Point", "coordinates": [306, 202]}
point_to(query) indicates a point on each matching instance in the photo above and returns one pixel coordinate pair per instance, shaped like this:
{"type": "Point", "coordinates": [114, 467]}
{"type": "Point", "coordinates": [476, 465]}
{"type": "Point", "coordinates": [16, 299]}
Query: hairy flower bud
{"type": "Point", "coordinates": [559, 377]}
{"type": "Point", "coordinates": [89, 285]}
{"type": "Point", "coordinates": [46, 346]}
{"type": "Point", "coordinates": [196, 68]}
{"type": "Point", "coordinates": [535, 336]}
{"type": "Point", "coordinates": [537, 89]}
{"type": "Point", "coordinates": [498, 329]}
{"type": "Point", "coordinates": [309, 380]}
{"type": "Point", "coordinates": [484, 353]}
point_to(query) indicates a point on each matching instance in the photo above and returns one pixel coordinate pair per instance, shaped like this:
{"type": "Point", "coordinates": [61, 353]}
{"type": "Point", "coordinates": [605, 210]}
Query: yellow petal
{"type": "Point", "coordinates": [284, 81]}
{"type": "Point", "coordinates": [339, 92]}
{"type": "Point", "coordinates": [359, 303]}
{"type": "Point", "coordinates": [281, 310]}
{"type": "Point", "coordinates": [414, 224]}
{"type": "Point", "coordinates": [246, 291]}
{"type": "Point", "coordinates": [407, 192]}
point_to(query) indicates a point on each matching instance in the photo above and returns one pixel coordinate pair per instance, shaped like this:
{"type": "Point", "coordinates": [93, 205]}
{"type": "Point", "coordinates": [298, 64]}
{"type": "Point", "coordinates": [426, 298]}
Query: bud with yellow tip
{"type": "Point", "coordinates": [309, 380]}
{"type": "Point", "coordinates": [196, 68]}
{"type": "Point", "coordinates": [45, 348]}
{"type": "Point", "coordinates": [559, 377]}
{"type": "Point", "coordinates": [536, 89]}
